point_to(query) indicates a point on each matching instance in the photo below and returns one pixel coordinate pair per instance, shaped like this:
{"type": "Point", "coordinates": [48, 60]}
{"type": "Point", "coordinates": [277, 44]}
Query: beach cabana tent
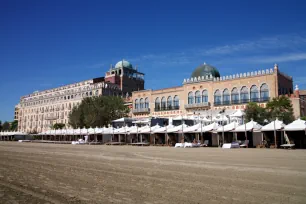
{"type": "Point", "coordinates": [252, 131]}
{"type": "Point", "coordinates": [160, 134]}
{"type": "Point", "coordinates": [296, 132]}
{"type": "Point", "coordinates": [268, 132]}
{"type": "Point", "coordinates": [297, 125]}
{"type": "Point", "coordinates": [228, 134]}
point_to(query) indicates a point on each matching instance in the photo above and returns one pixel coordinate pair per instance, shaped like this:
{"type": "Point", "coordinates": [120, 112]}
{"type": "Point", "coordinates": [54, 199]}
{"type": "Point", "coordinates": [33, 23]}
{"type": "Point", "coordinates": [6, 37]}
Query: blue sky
{"type": "Point", "coordinates": [45, 44]}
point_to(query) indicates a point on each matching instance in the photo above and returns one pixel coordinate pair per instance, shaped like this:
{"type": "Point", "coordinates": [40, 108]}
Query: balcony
{"type": "Point", "coordinates": [197, 105]}
{"type": "Point", "coordinates": [241, 101]}
{"type": "Point", "coordinates": [167, 108]}
{"type": "Point", "coordinates": [141, 110]}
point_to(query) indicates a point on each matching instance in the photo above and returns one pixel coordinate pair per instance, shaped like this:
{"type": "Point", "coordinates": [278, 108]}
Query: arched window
{"type": "Point", "coordinates": [254, 93]}
{"type": "Point", "coordinates": [197, 97]}
{"type": "Point", "coordinates": [264, 92]}
{"type": "Point", "coordinates": [147, 103]}
{"type": "Point", "coordinates": [169, 103]}
{"type": "Point", "coordinates": [217, 96]}
{"type": "Point", "coordinates": [136, 104]}
{"type": "Point", "coordinates": [141, 103]}
{"type": "Point", "coordinates": [157, 104]}
{"type": "Point", "coordinates": [163, 103]}
{"type": "Point", "coordinates": [244, 95]}
{"type": "Point", "coordinates": [205, 96]}
{"type": "Point", "coordinates": [176, 103]}
{"type": "Point", "coordinates": [235, 96]}
{"type": "Point", "coordinates": [226, 97]}
{"type": "Point", "coordinates": [97, 92]}
{"type": "Point", "coordinates": [190, 97]}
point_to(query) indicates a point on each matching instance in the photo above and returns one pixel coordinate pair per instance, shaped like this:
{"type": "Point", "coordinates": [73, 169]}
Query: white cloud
{"type": "Point", "coordinates": [277, 59]}
{"type": "Point", "coordinates": [275, 49]}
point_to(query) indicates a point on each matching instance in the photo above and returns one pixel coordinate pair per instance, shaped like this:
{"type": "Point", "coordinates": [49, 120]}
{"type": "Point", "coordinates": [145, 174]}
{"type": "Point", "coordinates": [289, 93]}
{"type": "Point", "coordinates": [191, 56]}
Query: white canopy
{"type": "Point", "coordinates": [220, 117]}
{"type": "Point", "coordinates": [84, 131]}
{"type": "Point", "coordinates": [77, 131]}
{"type": "Point", "coordinates": [228, 127]}
{"type": "Point", "coordinates": [147, 129]}
{"type": "Point", "coordinates": [193, 128]}
{"type": "Point", "coordinates": [70, 132]}
{"type": "Point", "coordinates": [297, 125]}
{"type": "Point", "coordinates": [58, 132]}
{"type": "Point", "coordinates": [163, 129]}
{"type": "Point", "coordinates": [180, 118]}
{"type": "Point", "coordinates": [121, 130]}
{"type": "Point", "coordinates": [176, 129]}
{"type": "Point", "coordinates": [109, 130]}
{"type": "Point", "coordinates": [12, 133]}
{"type": "Point", "coordinates": [270, 127]}
{"type": "Point", "coordinates": [141, 121]}
{"type": "Point", "coordinates": [91, 131]}
{"type": "Point", "coordinates": [210, 127]}
{"type": "Point", "coordinates": [250, 126]}
{"type": "Point", "coordinates": [99, 130]}
{"type": "Point", "coordinates": [238, 113]}
{"type": "Point", "coordinates": [119, 120]}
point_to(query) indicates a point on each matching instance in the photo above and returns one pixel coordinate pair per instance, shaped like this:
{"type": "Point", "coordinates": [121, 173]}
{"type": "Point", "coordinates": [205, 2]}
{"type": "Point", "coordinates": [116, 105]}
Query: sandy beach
{"type": "Point", "coordinates": [49, 173]}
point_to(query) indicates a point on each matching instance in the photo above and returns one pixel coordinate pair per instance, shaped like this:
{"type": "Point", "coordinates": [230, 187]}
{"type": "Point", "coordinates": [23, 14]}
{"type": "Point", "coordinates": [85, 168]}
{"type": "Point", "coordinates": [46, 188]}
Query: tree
{"type": "Point", "coordinates": [256, 113]}
{"type": "Point", "coordinates": [6, 126]}
{"type": "Point", "coordinates": [0, 125]}
{"type": "Point", "coordinates": [97, 111]}
{"type": "Point", "coordinates": [58, 126]}
{"type": "Point", "coordinates": [303, 118]}
{"type": "Point", "coordinates": [14, 125]}
{"type": "Point", "coordinates": [280, 108]}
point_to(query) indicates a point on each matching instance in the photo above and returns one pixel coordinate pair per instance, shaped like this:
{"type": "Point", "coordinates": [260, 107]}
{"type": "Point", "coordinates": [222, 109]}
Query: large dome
{"type": "Point", "coordinates": [124, 64]}
{"type": "Point", "coordinates": [204, 70]}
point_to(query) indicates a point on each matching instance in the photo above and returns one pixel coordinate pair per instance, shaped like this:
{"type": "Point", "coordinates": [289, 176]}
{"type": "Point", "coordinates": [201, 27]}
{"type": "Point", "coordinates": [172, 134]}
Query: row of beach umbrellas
{"type": "Point", "coordinates": [297, 125]}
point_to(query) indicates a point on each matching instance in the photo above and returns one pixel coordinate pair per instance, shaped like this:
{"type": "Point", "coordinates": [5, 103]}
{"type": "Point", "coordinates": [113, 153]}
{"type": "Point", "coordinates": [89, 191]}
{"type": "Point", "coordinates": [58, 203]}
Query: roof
{"type": "Point", "coordinates": [302, 92]}
{"type": "Point", "coordinates": [204, 70]}
{"type": "Point", "coordinates": [278, 125]}
{"type": "Point", "coordinates": [297, 125]}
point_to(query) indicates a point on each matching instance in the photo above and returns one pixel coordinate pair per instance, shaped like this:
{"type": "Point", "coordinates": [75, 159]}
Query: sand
{"type": "Point", "coordinates": [49, 173]}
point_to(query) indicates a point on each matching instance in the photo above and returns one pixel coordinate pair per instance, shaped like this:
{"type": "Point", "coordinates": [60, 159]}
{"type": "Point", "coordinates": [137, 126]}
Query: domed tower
{"type": "Point", "coordinates": [205, 70]}
{"type": "Point", "coordinates": [126, 76]}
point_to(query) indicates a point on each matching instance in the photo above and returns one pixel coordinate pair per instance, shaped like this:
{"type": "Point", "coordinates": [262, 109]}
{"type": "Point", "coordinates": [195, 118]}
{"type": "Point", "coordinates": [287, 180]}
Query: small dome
{"type": "Point", "coordinates": [124, 64]}
{"type": "Point", "coordinates": [204, 70]}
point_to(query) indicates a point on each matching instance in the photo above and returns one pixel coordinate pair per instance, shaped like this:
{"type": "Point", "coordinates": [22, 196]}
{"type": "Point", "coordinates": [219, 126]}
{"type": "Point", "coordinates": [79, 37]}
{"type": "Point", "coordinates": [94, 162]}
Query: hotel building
{"type": "Point", "coordinates": [206, 90]}
{"type": "Point", "coordinates": [40, 110]}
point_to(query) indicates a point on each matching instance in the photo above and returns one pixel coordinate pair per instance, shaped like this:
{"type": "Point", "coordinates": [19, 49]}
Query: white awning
{"type": "Point", "coordinates": [193, 128]}
{"type": "Point", "coordinates": [210, 127]}
{"type": "Point", "coordinates": [163, 129]}
{"type": "Point", "coordinates": [177, 129]}
{"type": "Point", "coordinates": [250, 126]}
{"type": "Point", "coordinates": [228, 127]}
{"type": "Point", "coordinates": [270, 127]}
{"type": "Point", "coordinates": [238, 113]}
{"type": "Point", "coordinates": [297, 125]}
{"type": "Point", "coordinates": [147, 129]}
